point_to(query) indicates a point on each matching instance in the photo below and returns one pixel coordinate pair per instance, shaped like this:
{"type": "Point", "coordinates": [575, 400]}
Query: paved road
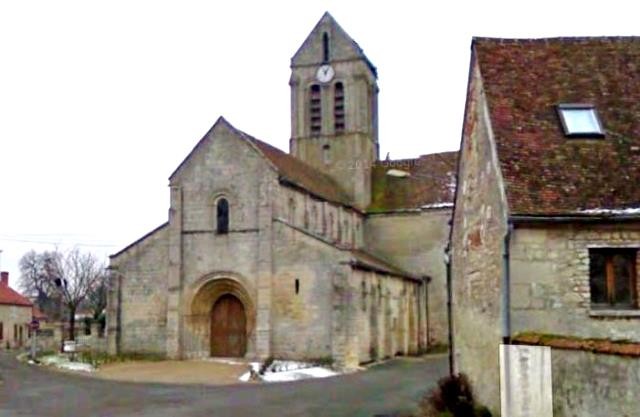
{"type": "Point", "coordinates": [396, 386]}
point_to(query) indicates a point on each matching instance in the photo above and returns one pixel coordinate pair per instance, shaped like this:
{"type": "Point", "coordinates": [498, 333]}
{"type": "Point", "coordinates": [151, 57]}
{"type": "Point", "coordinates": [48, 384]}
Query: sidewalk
{"type": "Point", "coordinates": [207, 372]}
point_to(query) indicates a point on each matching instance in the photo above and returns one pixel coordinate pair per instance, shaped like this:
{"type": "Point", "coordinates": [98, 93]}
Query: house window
{"type": "Point", "coordinates": [338, 108]}
{"type": "Point", "coordinates": [1, 330]}
{"type": "Point", "coordinates": [222, 216]}
{"type": "Point", "coordinates": [612, 278]}
{"type": "Point", "coordinates": [315, 110]}
{"type": "Point", "coordinates": [580, 120]}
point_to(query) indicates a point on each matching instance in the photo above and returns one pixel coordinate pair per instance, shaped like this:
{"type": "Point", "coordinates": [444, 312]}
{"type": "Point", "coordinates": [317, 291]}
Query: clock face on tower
{"type": "Point", "coordinates": [325, 73]}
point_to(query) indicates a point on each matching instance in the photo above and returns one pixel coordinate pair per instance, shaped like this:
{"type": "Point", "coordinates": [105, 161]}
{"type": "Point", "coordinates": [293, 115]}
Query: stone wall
{"type": "Point", "coordinates": [595, 385]}
{"type": "Point", "coordinates": [478, 231]}
{"type": "Point", "coordinates": [304, 269]}
{"type": "Point", "coordinates": [229, 167]}
{"type": "Point", "coordinates": [386, 317]}
{"type": "Point", "coordinates": [15, 324]}
{"type": "Point", "coordinates": [139, 289]}
{"type": "Point", "coordinates": [416, 242]}
{"type": "Point", "coordinates": [550, 281]}
{"type": "Point", "coordinates": [329, 221]}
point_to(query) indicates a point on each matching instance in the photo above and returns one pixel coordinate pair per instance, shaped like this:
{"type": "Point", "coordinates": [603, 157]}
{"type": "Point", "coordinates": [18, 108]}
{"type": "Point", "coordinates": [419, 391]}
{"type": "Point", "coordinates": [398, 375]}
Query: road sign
{"type": "Point", "coordinates": [35, 324]}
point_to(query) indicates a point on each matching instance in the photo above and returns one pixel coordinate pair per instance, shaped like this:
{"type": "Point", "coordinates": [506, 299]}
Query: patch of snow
{"type": "Point", "coordinates": [53, 360]}
{"type": "Point", "coordinates": [283, 371]}
{"type": "Point", "coordinates": [298, 374]}
{"type": "Point", "coordinates": [634, 210]}
{"type": "Point", "coordinates": [437, 205]}
{"type": "Point", "coordinates": [63, 362]}
{"type": "Point", "coordinates": [283, 366]}
{"type": "Point", "coordinates": [76, 366]}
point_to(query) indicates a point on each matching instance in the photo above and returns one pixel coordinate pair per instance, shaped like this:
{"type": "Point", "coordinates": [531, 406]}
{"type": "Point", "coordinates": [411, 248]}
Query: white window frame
{"type": "Point", "coordinates": [596, 130]}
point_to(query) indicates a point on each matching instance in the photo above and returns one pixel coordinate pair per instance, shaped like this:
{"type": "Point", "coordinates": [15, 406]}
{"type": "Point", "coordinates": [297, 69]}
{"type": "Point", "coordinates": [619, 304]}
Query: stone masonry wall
{"type": "Point", "coordinates": [595, 385]}
{"type": "Point", "coordinates": [478, 231]}
{"type": "Point", "coordinates": [416, 242]}
{"type": "Point", "coordinates": [15, 322]}
{"type": "Point", "coordinates": [550, 281]}
{"type": "Point", "coordinates": [226, 167]}
{"type": "Point", "coordinates": [141, 273]}
{"type": "Point", "coordinates": [302, 290]}
{"type": "Point", "coordinates": [386, 315]}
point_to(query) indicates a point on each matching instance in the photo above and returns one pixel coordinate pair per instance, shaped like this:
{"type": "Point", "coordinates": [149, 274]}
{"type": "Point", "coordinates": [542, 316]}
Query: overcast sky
{"type": "Point", "coordinates": [100, 101]}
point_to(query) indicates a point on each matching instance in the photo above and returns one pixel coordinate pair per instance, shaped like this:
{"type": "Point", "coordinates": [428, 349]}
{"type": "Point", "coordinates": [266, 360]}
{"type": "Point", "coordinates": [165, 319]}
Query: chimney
{"type": "Point", "coordinates": [4, 279]}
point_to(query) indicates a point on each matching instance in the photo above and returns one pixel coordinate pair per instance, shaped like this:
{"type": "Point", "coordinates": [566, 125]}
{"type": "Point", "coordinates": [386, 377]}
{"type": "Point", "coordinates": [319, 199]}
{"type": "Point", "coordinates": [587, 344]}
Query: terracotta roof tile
{"type": "Point", "coordinates": [430, 184]}
{"type": "Point", "coordinates": [300, 174]}
{"type": "Point", "coordinates": [546, 173]}
{"type": "Point", "coordinates": [11, 297]}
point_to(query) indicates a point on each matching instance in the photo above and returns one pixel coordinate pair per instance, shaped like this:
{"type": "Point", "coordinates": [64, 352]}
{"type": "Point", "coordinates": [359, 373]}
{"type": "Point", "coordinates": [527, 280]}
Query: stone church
{"type": "Point", "coordinates": [323, 252]}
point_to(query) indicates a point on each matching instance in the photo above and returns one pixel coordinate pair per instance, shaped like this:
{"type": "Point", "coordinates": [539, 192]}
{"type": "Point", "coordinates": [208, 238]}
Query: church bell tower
{"type": "Point", "coordinates": [334, 108]}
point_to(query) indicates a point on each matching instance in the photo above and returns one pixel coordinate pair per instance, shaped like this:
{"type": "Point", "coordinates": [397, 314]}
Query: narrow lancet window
{"type": "Point", "coordinates": [325, 47]}
{"type": "Point", "coordinates": [222, 211]}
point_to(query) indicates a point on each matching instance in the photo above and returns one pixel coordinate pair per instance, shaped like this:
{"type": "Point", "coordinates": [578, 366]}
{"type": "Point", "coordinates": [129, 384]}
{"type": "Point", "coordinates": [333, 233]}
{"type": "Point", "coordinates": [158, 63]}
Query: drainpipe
{"type": "Point", "coordinates": [447, 260]}
{"type": "Point", "coordinates": [427, 281]}
{"type": "Point", "coordinates": [505, 289]}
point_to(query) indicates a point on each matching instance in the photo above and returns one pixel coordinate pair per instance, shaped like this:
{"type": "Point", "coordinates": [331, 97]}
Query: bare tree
{"type": "Point", "coordinates": [36, 280]}
{"type": "Point", "coordinates": [72, 276]}
{"type": "Point", "coordinates": [97, 297]}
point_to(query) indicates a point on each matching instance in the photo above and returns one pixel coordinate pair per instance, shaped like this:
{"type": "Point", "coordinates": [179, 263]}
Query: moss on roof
{"type": "Point", "coordinates": [430, 183]}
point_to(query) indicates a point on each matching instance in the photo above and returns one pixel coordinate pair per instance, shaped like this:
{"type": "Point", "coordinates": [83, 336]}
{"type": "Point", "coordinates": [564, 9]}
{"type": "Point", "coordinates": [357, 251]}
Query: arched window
{"type": "Point", "coordinates": [315, 110]}
{"type": "Point", "coordinates": [326, 154]}
{"type": "Point", "coordinates": [338, 107]}
{"type": "Point", "coordinates": [222, 216]}
{"type": "Point", "coordinates": [292, 211]}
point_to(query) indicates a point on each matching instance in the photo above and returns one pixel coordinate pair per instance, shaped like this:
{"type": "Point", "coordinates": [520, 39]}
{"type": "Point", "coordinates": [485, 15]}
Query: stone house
{"type": "Point", "coordinates": [15, 316]}
{"type": "Point", "coordinates": [546, 225]}
{"type": "Point", "coordinates": [315, 253]}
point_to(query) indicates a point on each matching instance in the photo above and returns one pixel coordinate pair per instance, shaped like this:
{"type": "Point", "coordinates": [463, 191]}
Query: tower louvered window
{"type": "Point", "coordinates": [315, 110]}
{"type": "Point", "coordinates": [338, 108]}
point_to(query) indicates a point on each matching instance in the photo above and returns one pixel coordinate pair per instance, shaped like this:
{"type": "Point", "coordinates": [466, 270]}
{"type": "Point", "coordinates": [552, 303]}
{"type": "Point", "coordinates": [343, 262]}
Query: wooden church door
{"type": "Point", "coordinates": [228, 327]}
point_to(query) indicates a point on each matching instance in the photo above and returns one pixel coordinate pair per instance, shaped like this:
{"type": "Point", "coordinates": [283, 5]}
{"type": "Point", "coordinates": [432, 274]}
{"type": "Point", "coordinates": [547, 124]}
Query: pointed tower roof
{"type": "Point", "coordinates": [343, 47]}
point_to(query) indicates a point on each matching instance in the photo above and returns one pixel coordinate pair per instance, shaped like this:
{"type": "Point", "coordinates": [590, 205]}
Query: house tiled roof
{"type": "Point", "coordinates": [545, 172]}
{"type": "Point", "coordinates": [300, 174]}
{"type": "Point", "coordinates": [10, 297]}
{"type": "Point", "coordinates": [38, 314]}
{"type": "Point", "coordinates": [430, 183]}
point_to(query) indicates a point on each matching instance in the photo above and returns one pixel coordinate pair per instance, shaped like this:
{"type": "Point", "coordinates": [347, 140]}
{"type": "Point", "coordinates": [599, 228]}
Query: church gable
{"type": "Point", "coordinates": [203, 152]}
{"type": "Point", "coordinates": [328, 42]}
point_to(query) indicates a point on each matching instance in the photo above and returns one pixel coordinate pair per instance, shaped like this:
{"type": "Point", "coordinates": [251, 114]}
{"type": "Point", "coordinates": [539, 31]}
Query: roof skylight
{"type": "Point", "coordinates": [580, 120]}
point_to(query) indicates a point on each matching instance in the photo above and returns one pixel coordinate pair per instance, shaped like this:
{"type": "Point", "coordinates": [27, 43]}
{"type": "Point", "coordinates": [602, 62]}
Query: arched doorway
{"type": "Point", "coordinates": [228, 327]}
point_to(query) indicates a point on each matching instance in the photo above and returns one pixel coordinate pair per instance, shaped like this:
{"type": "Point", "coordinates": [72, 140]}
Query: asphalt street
{"type": "Point", "coordinates": [386, 389]}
